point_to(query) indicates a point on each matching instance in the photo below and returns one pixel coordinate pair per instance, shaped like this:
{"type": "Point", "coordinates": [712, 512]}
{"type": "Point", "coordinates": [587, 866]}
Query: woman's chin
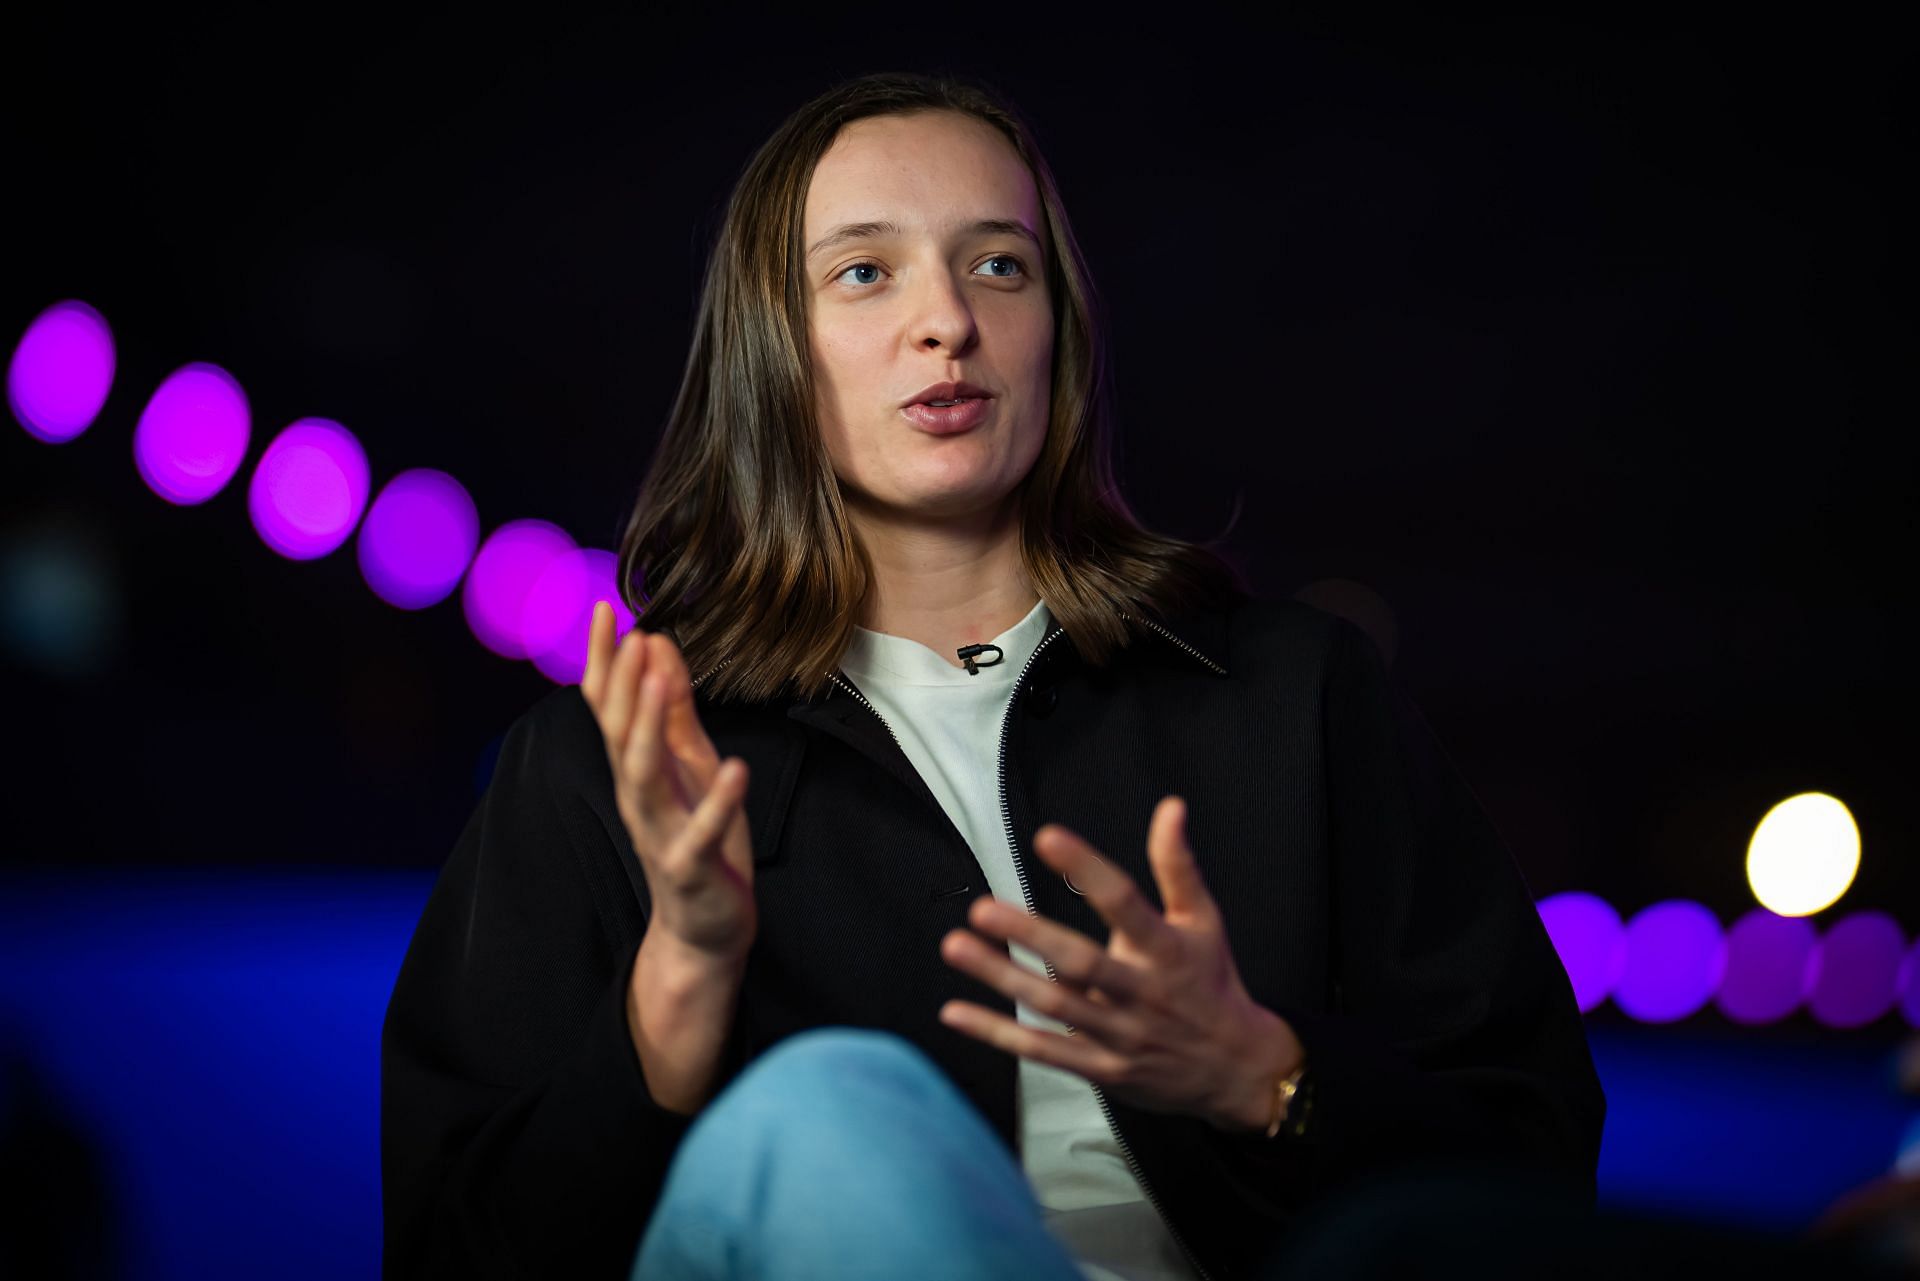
{"type": "Point", "coordinates": [948, 501]}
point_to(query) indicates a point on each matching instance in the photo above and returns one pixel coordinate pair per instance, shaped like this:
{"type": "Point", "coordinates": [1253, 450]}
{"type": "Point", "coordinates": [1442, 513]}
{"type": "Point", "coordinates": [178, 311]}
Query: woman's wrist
{"type": "Point", "coordinates": [679, 1006]}
{"type": "Point", "coordinates": [1273, 1056]}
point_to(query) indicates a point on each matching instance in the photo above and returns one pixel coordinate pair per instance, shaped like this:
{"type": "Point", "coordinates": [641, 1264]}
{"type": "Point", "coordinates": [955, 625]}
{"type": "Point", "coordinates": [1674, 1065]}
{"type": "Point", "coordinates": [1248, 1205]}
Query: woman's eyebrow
{"type": "Point", "coordinates": [883, 227]}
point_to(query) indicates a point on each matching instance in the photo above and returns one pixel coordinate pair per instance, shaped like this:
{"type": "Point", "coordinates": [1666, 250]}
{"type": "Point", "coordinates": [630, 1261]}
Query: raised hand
{"type": "Point", "coordinates": [681, 804]}
{"type": "Point", "coordinates": [1159, 1017]}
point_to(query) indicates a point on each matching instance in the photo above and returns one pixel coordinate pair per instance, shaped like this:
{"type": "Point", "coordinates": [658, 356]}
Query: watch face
{"type": "Point", "coordinates": [1290, 1093]}
{"type": "Point", "coordinates": [1300, 1106]}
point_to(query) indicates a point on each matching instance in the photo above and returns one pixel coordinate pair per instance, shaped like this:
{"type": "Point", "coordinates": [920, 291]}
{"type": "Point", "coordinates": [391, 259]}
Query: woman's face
{"type": "Point", "coordinates": [935, 299]}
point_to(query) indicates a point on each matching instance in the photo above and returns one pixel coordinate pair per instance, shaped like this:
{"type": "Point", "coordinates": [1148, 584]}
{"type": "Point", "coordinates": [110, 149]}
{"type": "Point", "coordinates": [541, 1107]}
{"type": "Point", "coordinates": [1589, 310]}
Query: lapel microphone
{"type": "Point", "coordinates": [967, 653]}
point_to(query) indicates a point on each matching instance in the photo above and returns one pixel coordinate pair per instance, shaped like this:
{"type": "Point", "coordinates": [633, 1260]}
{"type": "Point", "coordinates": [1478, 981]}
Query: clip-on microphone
{"type": "Point", "coordinates": [967, 653]}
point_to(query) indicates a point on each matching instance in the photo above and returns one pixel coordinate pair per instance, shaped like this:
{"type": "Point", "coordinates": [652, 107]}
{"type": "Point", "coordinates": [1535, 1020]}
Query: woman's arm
{"type": "Point", "coordinates": [518, 1135]}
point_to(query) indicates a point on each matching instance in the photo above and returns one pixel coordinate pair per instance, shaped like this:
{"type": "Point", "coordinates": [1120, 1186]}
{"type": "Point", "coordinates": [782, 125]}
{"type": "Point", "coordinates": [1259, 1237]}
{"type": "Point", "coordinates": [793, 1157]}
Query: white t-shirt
{"type": "Point", "coordinates": [948, 722]}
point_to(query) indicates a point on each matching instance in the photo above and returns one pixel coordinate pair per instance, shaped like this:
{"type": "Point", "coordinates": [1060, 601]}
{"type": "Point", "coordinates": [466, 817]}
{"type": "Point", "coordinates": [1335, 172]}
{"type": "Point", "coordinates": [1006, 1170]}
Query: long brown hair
{"type": "Point", "coordinates": [738, 545]}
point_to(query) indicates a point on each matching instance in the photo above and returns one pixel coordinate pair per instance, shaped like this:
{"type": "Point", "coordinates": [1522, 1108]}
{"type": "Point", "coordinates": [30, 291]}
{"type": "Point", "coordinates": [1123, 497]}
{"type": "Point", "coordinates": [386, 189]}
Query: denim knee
{"type": "Point", "coordinates": [845, 1152]}
{"type": "Point", "coordinates": [838, 1056]}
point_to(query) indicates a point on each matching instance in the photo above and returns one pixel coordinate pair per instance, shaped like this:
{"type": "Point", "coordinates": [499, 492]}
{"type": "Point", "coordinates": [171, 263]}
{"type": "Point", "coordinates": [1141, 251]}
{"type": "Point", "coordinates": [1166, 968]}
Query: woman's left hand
{"type": "Point", "coordinates": [1159, 1016]}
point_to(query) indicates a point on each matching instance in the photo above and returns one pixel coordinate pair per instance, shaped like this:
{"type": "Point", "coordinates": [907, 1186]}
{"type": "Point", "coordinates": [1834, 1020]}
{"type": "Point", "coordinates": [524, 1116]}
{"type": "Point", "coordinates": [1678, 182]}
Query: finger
{"type": "Point", "coordinates": [1080, 1055]}
{"type": "Point", "coordinates": [970, 954]}
{"type": "Point", "coordinates": [599, 653]}
{"type": "Point", "coordinates": [644, 765]}
{"type": "Point", "coordinates": [1182, 888]}
{"type": "Point", "coordinates": [1110, 890]}
{"type": "Point", "coordinates": [710, 817]}
{"type": "Point", "coordinates": [623, 690]}
{"type": "Point", "coordinates": [1077, 959]}
{"type": "Point", "coordinates": [685, 735]}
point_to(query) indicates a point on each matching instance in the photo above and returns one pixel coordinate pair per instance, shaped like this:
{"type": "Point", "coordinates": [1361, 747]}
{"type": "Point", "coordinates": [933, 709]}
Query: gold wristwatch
{"type": "Point", "coordinates": [1292, 1101]}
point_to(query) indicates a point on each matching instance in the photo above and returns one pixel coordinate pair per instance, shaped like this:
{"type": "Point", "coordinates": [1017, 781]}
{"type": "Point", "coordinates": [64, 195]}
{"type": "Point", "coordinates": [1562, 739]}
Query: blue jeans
{"type": "Point", "coordinates": [844, 1153]}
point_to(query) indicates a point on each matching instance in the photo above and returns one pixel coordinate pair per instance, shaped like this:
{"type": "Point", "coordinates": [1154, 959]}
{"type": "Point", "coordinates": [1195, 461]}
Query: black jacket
{"type": "Point", "coordinates": [1367, 898]}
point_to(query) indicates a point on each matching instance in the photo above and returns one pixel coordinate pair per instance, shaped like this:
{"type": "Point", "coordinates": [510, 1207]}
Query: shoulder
{"type": "Point", "coordinates": [557, 740]}
{"type": "Point", "coordinates": [1283, 653]}
{"type": "Point", "coordinates": [559, 732]}
{"type": "Point", "coordinates": [1272, 643]}
{"type": "Point", "coordinates": [554, 753]}
{"type": "Point", "coordinates": [555, 746]}
{"type": "Point", "coordinates": [1259, 623]}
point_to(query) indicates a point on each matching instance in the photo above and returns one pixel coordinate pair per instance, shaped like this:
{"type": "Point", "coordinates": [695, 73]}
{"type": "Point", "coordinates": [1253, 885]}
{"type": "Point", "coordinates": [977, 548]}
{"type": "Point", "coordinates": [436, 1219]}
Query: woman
{"type": "Point", "coordinates": [951, 878]}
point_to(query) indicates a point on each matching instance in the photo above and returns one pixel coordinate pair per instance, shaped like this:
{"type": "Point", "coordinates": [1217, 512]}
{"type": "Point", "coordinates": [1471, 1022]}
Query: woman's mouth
{"type": "Point", "coordinates": [949, 417]}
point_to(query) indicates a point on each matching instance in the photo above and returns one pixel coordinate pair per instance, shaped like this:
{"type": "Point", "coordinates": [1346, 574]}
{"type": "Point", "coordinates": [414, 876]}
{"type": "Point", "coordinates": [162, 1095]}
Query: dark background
{"type": "Point", "coordinates": [1583, 342]}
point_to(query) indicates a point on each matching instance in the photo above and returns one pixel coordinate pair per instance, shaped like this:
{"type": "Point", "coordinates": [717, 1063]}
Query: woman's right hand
{"type": "Point", "coordinates": [682, 805]}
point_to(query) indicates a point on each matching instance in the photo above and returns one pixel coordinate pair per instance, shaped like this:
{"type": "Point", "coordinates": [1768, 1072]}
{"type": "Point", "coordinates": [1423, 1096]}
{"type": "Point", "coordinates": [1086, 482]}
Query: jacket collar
{"type": "Point", "coordinates": [1200, 635]}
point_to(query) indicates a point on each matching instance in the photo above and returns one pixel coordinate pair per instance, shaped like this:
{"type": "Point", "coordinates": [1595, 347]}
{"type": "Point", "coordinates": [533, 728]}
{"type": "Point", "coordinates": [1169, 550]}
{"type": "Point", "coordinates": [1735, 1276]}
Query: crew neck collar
{"type": "Point", "coordinates": [899, 660]}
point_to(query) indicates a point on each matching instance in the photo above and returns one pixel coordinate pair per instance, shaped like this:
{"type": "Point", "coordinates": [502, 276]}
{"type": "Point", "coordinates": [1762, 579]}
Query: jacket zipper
{"type": "Point", "coordinates": [847, 685]}
{"type": "Point", "coordinates": [1026, 892]}
{"type": "Point", "coordinates": [1216, 668]}
{"type": "Point", "coordinates": [1013, 847]}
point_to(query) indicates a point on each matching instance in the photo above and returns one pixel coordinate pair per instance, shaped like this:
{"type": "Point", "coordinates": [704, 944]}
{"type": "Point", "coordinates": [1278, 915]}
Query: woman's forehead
{"type": "Point", "coordinates": [934, 172]}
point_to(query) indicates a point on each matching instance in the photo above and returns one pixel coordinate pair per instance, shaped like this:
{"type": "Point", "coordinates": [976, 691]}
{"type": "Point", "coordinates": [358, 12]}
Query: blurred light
{"type": "Point", "coordinates": [1910, 985]}
{"type": "Point", "coordinates": [1676, 957]}
{"type": "Point", "coordinates": [568, 591]}
{"type": "Point", "coordinates": [504, 574]}
{"type": "Point", "coordinates": [1587, 934]}
{"type": "Point", "coordinates": [61, 372]}
{"type": "Point", "coordinates": [309, 489]}
{"type": "Point", "coordinates": [1906, 1156]}
{"type": "Point", "coordinates": [192, 434]}
{"type": "Point", "coordinates": [1803, 855]}
{"type": "Point", "coordinates": [553, 603]}
{"type": "Point", "coordinates": [60, 599]}
{"type": "Point", "coordinates": [418, 538]}
{"type": "Point", "coordinates": [1855, 970]}
{"type": "Point", "coordinates": [1769, 967]}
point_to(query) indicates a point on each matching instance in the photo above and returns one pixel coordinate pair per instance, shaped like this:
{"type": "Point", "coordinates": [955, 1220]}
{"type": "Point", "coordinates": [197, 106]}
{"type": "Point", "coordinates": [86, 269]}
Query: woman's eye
{"type": "Point", "coordinates": [1006, 258]}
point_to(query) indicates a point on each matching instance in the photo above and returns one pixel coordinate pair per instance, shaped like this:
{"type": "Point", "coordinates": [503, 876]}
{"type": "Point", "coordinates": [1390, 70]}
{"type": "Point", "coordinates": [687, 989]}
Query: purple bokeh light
{"type": "Point", "coordinates": [1910, 985]}
{"type": "Point", "coordinates": [1587, 934]}
{"type": "Point", "coordinates": [567, 591]}
{"type": "Point", "coordinates": [61, 372]}
{"type": "Point", "coordinates": [1676, 957]}
{"type": "Point", "coordinates": [418, 538]}
{"type": "Point", "coordinates": [1769, 967]}
{"type": "Point", "coordinates": [309, 489]}
{"type": "Point", "coordinates": [193, 434]}
{"type": "Point", "coordinates": [1856, 969]}
{"type": "Point", "coordinates": [508, 568]}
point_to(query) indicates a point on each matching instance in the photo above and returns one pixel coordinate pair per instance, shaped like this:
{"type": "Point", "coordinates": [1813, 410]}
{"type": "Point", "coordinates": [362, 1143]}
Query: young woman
{"type": "Point", "coordinates": [949, 877]}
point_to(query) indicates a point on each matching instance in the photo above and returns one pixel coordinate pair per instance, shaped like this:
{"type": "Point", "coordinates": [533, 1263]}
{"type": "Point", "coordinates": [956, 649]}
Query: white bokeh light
{"type": "Point", "coordinates": [1803, 855]}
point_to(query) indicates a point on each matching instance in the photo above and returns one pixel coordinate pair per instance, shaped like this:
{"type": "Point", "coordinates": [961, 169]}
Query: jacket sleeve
{"type": "Point", "coordinates": [518, 1138]}
{"type": "Point", "coordinates": [1453, 1033]}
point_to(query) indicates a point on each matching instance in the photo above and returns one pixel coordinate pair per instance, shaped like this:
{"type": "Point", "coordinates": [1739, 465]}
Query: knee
{"type": "Point", "coordinates": [845, 1067]}
{"type": "Point", "coordinates": [848, 1091]}
{"type": "Point", "coordinates": [835, 1055]}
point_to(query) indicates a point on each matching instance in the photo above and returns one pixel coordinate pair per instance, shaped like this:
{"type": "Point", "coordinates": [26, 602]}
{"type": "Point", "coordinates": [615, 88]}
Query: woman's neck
{"type": "Point", "coordinates": [945, 585]}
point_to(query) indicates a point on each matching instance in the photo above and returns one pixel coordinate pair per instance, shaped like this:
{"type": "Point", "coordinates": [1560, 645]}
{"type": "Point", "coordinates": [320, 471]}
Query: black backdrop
{"type": "Point", "coordinates": [1580, 341]}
